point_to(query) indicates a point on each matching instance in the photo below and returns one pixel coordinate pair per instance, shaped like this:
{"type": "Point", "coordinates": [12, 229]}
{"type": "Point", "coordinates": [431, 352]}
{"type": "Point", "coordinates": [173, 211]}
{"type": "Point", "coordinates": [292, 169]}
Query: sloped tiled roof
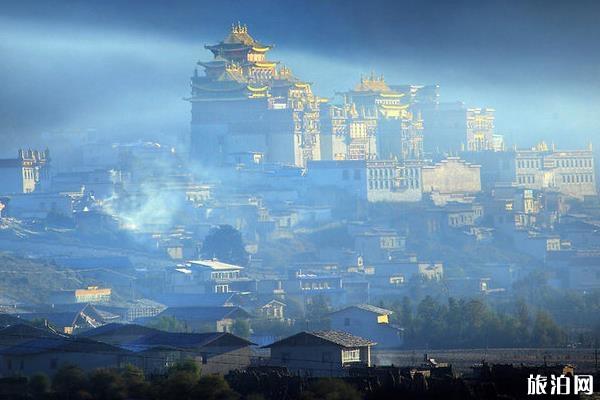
{"type": "Point", "coordinates": [377, 310]}
{"type": "Point", "coordinates": [61, 344]}
{"type": "Point", "coordinates": [367, 307]}
{"type": "Point", "coordinates": [183, 340]}
{"type": "Point", "coordinates": [26, 332]}
{"type": "Point", "coordinates": [343, 339]}
{"type": "Point", "coordinates": [119, 329]}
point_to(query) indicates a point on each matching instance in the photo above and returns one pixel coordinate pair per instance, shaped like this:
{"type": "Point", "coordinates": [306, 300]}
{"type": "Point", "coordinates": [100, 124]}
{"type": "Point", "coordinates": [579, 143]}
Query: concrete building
{"type": "Point", "coordinates": [321, 353]}
{"type": "Point", "coordinates": [480, 130]}
{"type": "Point", "coordinates": [206, 319]}
{"type": "Point", "coordinates": [570, 172]}
{"type": "Point", "coordinates": [369, 322]}
{"type": "Point", "coordinates": [30, 170]}
{"type": "Point", "coordinates": [302, 287]}
{"type": "Point", "coordinates": [378, 245]}
{"type": "Point", "coordinates": [205, 276]}
{"type": "Point", "coordinates": [372, 180]}
{"type": "Point", "coordinates": [156, 351]}
{"type": "Point", "coordinates": [41, 205]}
{"type": "Point", "coordinates": [214, 352]}
{"type": "Point", "coordinates": [388, 277]}
{"type": "Point", "coordinates": [91, 294]}
{"type": "Point", "coordinates": [451, 176]}
{"type": "Point", "coordinates": [47, 355]}
{"type": "Point", "coordinates": [273, 310]}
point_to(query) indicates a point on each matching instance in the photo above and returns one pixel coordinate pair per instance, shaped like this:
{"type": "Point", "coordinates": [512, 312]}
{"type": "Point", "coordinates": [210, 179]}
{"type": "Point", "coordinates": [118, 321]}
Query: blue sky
{"type": "Point", "coordinates": [122, 68]}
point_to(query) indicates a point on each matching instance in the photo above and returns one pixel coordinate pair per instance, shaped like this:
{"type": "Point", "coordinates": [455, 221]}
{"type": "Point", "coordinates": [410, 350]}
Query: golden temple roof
{"type": "Point", "coordinates": [372, 84]}
{"type": "Point", "coordinates": [239, 34]}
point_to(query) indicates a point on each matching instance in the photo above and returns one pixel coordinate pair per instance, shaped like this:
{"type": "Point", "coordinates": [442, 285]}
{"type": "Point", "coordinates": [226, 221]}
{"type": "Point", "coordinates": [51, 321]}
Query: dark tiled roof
{"type": "Point", "coordinates": [184, 340]}
{"type": "Point", "coordinates": [61, 344]}
{"type": "Point", "coordinates": [26, 331]}
{"type": "Point", "coordinates": [343, 339]}
{"type": "Point", "coordinates": [368, 307]}
{"type": "Point", "coordinates": [119, 329]}
{"type": "Point", "coordinates": [8, 320]}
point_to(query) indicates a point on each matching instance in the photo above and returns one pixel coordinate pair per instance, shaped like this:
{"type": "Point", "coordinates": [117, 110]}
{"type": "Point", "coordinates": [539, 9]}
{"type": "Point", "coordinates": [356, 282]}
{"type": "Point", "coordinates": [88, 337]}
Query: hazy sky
{"type": "Point", "coordinates": [122, 68]}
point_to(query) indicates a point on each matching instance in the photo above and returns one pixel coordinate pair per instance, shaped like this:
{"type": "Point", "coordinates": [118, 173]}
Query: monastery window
{"type": "Point", "coordinates": [370, 184]}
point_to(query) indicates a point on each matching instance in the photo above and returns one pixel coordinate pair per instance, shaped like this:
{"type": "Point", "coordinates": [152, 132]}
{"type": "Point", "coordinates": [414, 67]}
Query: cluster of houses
{"type": "Point", "coordinates": [26, 350]}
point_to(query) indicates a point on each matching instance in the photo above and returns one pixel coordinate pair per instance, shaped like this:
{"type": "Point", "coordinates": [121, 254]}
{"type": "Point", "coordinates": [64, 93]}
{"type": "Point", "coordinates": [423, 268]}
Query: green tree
{"type": "Point", "coordinates": [39, 386]}
{"type": "Point", "coordinates": [107, 384]}
{"type": "Point", "coordinates": [134, 381]}
{"type": "Point", "coordinates": [225, 244]}
{"type": "Point", "coordinates": [214, 387]}
{"type": "Point", "coordinates": [180, 382]}
{"type": "Point", "coordinates": [545, 331]}
{"type": "Point", "coordinates": [70, 382]}
{"type": "Point", "coordinates": [430, 322]}
{"type": "Point", "coordinates": [331, 389]}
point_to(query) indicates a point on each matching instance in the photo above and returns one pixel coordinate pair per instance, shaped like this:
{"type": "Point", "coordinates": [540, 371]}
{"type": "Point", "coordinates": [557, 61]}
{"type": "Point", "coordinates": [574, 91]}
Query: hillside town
{"type": "Point", "coordinates": [292, 236]}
